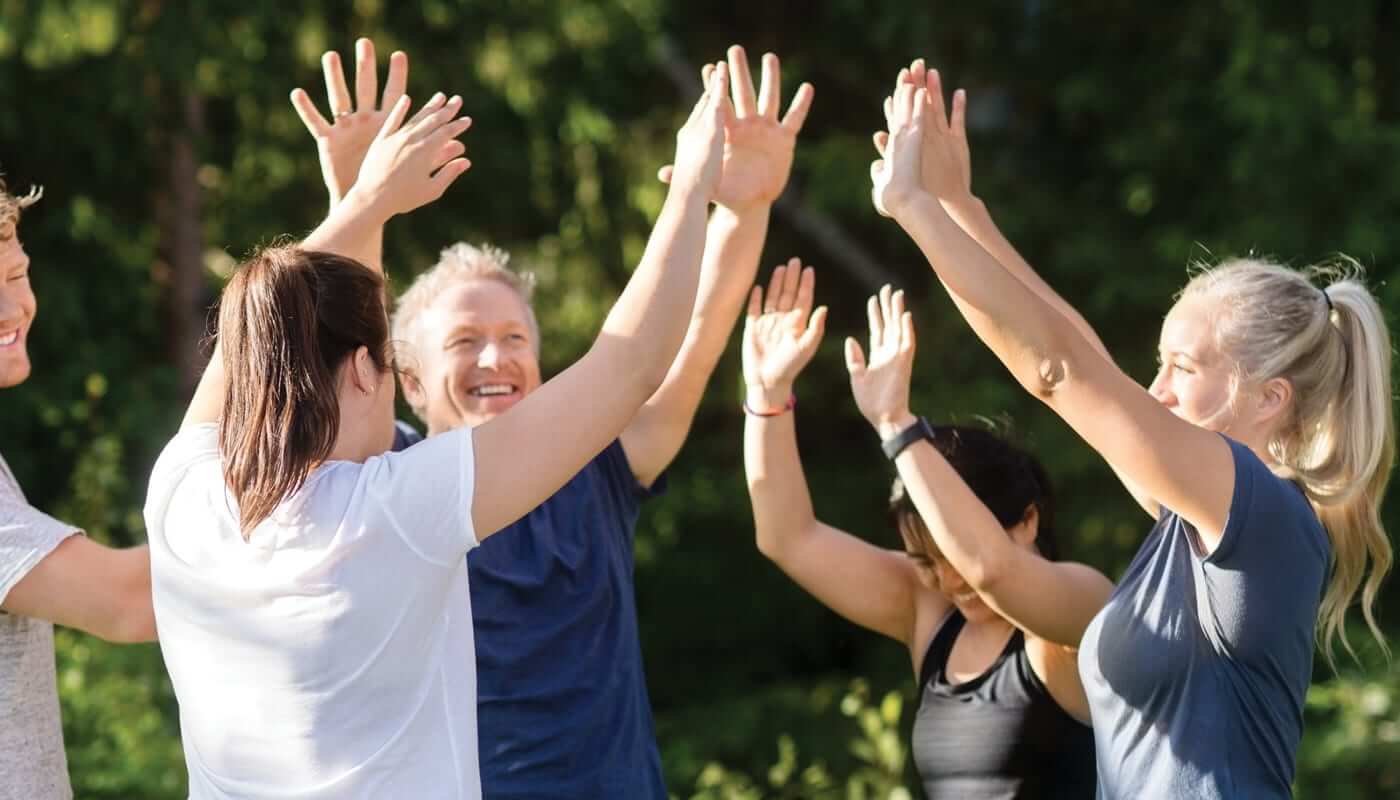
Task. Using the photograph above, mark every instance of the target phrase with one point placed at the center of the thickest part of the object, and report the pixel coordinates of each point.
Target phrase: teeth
(492, 390)
(9, 338)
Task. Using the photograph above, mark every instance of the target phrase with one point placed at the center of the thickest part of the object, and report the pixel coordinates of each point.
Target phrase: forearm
(733, 244)
(354, 228)
(1035, 342)
(782, 503)
(971, 214)
(963, 529)
(648, 322)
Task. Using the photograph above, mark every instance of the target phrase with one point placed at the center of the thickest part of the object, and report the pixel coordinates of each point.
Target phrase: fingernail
(456, 100)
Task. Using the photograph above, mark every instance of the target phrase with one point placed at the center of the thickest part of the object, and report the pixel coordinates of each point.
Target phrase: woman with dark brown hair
(310, 587)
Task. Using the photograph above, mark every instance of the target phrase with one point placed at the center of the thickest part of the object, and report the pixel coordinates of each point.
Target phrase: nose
(490, 356)
(948, 579)
(1161, 389)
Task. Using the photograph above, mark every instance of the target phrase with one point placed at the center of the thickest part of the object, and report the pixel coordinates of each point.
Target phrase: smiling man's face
(474, 355)
(17, 307)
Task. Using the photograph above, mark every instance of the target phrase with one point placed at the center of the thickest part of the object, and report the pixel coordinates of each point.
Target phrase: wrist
(915, 202)
(753, 215)
(890, 425)
(767, 400)
(963, 204)
(364, 204)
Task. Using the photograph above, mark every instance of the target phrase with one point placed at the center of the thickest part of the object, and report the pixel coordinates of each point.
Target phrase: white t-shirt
(32, 763)
(331, 655)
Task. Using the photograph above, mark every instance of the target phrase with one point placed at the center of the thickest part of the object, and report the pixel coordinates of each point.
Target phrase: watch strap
(918, 429)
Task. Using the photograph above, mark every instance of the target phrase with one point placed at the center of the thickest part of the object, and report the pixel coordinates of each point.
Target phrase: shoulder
(1265, 502)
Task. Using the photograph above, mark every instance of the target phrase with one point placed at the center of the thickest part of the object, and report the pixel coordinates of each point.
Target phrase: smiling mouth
(7, 339)
(493, 390)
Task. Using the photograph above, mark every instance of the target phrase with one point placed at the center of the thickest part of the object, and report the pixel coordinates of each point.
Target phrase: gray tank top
(1196, 669)
(999, 736)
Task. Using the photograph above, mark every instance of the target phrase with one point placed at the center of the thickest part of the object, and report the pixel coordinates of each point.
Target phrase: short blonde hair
(1322, 330)
(460, 263)
(11, 206)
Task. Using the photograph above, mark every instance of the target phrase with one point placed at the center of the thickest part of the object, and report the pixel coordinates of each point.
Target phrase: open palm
(881, 382)
(781, 332)
(343, 141)
(758, 147)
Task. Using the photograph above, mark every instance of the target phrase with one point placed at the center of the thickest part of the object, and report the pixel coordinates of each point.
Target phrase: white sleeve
(27, 535)
(425, 493)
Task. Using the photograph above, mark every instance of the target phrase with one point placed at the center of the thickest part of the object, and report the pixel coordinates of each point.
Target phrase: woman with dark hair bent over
(311, 588)
(991, 620)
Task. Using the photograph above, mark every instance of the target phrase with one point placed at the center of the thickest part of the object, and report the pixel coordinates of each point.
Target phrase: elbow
(989, 576)
(769, 544)
(134, 620)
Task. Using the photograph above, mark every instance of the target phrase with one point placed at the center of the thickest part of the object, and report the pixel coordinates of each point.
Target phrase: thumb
(664, 174)
(816, 326)
(855, 358)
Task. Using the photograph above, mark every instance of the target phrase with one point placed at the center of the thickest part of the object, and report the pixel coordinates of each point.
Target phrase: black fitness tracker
(918, 429)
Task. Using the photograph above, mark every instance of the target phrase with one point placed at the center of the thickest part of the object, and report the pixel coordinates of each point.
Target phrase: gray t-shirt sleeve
(27, 535)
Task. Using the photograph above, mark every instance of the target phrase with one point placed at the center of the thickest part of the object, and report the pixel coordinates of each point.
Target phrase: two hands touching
(924, 149)
(371, 148)
(782, 332)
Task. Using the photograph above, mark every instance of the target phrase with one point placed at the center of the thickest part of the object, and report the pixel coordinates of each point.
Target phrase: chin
(13, 372)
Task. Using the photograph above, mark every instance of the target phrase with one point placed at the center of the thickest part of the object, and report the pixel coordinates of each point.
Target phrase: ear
(412, 387)
(1025, 531)
(1275, 397)
(365, 374)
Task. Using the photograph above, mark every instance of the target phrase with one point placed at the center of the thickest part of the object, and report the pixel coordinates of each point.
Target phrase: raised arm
(1011, 578)
(875, 588)
(1186, 468)
(525, 455)
(758, 150)
(947, 174)
(344, 140)
(409, 164)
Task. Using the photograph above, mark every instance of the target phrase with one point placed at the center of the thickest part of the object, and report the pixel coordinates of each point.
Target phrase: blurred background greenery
(1115, 142)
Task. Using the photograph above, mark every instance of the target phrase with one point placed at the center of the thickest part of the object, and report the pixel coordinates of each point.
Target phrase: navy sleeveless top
(999, 735)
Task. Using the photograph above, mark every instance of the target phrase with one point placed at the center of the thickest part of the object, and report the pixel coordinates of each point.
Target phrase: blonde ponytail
(1359, 435)
(1333, 346)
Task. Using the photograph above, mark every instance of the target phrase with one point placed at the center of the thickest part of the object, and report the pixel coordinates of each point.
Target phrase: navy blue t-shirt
(562, 706)
(1197, 667)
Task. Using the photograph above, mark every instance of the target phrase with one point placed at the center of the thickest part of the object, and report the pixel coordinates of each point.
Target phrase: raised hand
(411, 164)
(881, 383)
(897, 177)
(758, 148)
(781, 334)
(700, 141)
(343, 141)
(946, 159)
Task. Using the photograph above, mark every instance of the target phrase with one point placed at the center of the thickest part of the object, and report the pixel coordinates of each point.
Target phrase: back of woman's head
(1330, 342)
(1008, 480)
(288, 320)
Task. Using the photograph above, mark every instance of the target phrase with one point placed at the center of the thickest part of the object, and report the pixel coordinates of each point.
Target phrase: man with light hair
(561, 694)
(47, 573)
(420, 309)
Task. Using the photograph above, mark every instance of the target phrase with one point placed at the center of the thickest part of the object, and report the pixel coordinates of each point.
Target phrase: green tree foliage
(1116, 144)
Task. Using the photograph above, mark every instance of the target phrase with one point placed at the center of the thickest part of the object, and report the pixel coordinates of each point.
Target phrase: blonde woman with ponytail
(1262, 449)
